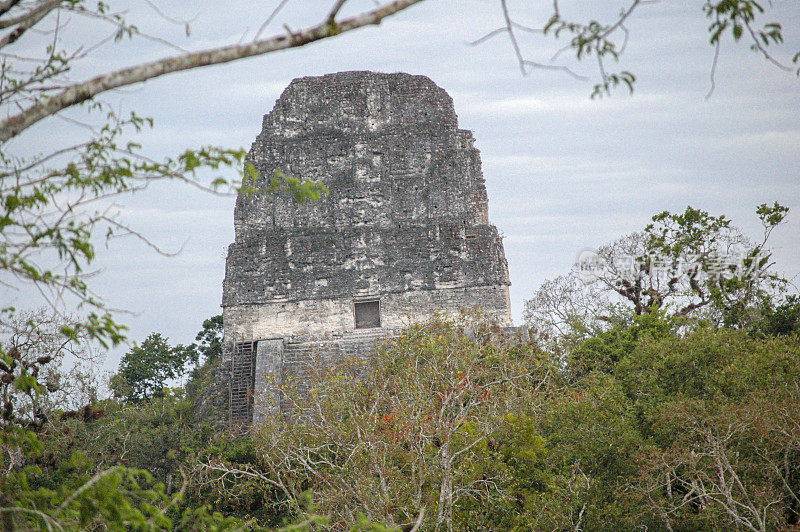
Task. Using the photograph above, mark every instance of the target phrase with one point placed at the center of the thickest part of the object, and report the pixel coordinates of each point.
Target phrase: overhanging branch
(79, 92)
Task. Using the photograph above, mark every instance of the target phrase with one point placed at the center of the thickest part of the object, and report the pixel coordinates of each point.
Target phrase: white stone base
(320, 318)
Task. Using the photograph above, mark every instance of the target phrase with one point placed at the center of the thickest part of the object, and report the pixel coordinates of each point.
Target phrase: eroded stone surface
(406, 189)
(406, 221)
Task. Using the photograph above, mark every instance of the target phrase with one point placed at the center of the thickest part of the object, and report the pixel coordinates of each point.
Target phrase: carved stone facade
(403, 234)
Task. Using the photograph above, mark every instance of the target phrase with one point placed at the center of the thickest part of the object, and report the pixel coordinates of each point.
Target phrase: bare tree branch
(6, 6)
(45, 6)
(713, 73)
(80, 92)
(27, 21)
(335, 10)
(270, 18)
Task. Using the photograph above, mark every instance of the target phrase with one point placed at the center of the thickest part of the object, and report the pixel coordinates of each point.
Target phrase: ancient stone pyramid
(404, 232)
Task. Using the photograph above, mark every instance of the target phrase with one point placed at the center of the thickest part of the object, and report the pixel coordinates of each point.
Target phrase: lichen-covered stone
(405, 223)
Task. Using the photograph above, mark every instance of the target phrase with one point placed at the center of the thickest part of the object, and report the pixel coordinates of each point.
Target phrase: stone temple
(403, 234)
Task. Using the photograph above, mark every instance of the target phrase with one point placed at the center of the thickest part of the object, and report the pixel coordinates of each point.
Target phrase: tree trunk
(445, 516)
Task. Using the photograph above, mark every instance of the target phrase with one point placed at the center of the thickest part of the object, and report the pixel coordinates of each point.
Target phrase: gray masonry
(403, 234)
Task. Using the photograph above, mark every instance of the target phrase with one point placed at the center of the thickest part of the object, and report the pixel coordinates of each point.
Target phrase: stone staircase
(295, 355)
(359, 342)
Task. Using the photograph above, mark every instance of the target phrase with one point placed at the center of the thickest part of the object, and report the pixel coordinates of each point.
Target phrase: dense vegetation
(622, 415)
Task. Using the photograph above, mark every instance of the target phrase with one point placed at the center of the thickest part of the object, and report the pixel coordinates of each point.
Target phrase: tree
(782, 318)
(606, 41)
(42, 371)
(593, 439)
(145, 369)
(70, 493)
(732, 465)
(687, 264)
(210, 339)
(208, 398)
(433, 427)
(720, 408)
(21, 18)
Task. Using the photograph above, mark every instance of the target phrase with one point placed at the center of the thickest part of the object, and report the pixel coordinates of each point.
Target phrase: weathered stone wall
(320, 317)
(405, 223)
(281, 358)
(318, 262)
(407, 209)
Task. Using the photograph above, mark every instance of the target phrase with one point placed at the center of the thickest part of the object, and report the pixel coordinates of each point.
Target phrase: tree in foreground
(720, 409)
(431, 429)
(454, 426)
(450, 425)
(48, 479)
(72, 460)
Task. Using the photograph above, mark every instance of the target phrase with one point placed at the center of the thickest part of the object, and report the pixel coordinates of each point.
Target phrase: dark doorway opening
(368, 314)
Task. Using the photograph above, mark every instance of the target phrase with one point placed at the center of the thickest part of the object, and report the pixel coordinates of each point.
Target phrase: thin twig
(82, 91)
(270, 19)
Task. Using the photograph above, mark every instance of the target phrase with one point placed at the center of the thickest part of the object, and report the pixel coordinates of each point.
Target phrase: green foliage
(474, 430)
(701, 242)
(736, 463)
(668, 422)
(116, 498)
(718, 406)
(594, 39)
(738, 16)
(302, 189)
(61, 470)
(602, 352)
(593, 438)
(422, 424)
(515, 452)
(605, 42)
(210, 339)
(453, 423)
(678, 416)
(686, 267)
(144, 369)
(783, 319)
(709, 364)
(46, 211)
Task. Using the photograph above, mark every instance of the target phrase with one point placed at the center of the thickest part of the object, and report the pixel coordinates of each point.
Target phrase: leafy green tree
(593, 438)
(50, 476)
(109, 465)
(146, 368)
(690, 264)
(422, 427)
(720, 408)
(602, 352)
(209, 346)
(674, 428)
(208, 398)
(729, 465)
(723, 269)
(781, 319)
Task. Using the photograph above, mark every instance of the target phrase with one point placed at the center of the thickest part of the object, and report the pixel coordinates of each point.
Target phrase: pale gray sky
(563, 172)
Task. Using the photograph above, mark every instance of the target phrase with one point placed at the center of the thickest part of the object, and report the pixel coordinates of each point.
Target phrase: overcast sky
(564, 173)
